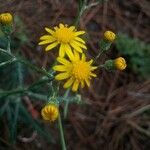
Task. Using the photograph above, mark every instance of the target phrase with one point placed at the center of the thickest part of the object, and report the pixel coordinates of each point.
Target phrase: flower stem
(61, 133)
(98, 56)
(67, 103)
(8, 45)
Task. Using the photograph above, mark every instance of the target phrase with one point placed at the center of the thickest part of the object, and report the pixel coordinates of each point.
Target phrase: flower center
(81, 70)
(64, 35)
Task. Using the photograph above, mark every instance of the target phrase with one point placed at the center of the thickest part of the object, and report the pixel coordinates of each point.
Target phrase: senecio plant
(72, 67)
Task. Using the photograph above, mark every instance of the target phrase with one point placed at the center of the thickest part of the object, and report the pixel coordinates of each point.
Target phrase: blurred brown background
(110, 118)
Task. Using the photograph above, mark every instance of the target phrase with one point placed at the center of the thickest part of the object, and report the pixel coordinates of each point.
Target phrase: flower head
(50, 112)
(6, 18)
(64, 36)
(109, 36)
(120, 63)
(77, 71)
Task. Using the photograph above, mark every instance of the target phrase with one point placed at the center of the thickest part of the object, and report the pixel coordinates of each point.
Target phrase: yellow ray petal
(82, 84)
(93, 75)
(79, 33)
(62, 76)
(61, 25)
(87, 82)
(80, 40)
(63, 61)
(79, 44)
(68, 83)
(72, 28)
(83, 58)
(46, 37)
(76, 56)
(93, 68)
(49, 30)
(49, 47)
(56, 28)
(60, 68)
(90, 62)
(75, 85)
(77, 48)
(62, 50)
(45, 42)
(69, 51)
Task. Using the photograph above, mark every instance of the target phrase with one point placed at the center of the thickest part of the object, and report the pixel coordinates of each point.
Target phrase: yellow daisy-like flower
(50, 112)
(120, 63)
(77, 71)
(6, 18)
(64, 36)
(109, 36)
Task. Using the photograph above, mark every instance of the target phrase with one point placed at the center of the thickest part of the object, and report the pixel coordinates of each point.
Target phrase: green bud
(109, 65)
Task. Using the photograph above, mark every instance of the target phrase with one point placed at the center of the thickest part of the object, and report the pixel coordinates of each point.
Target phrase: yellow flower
(64, 36)
(109, 36)
(120, 63)
(6, 18)
(50, 112)
(77, 71)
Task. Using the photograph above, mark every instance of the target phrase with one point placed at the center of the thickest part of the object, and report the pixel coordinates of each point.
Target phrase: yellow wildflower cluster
(73, 65)
(6, 18)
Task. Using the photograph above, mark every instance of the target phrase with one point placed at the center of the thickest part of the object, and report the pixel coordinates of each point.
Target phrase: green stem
(98, 56)
(67, 103)
(8, 45)
(61, 133)
(8, 62)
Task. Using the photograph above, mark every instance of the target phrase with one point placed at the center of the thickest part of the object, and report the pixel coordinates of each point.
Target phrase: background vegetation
(113, 113)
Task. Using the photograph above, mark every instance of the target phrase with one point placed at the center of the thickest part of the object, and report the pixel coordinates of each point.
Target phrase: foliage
(136, 52)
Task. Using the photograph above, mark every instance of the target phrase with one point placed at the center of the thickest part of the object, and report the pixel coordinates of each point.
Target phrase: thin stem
(8, 62)
(6, 52)
(8, 45)
(66, 103)
(61, 133)
(98, 56)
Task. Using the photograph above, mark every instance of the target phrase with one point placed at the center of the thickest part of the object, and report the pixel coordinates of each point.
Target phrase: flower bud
(50, 112)
(120, 63)
(6, 18)
(109, 36)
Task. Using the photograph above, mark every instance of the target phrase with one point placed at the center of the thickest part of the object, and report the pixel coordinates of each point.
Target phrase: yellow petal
(69, 51)
(93, 68)
(60, 68)
(62, 76)
(79, 33)
(93, 74)
(76, 47)
(76, 55)
(82, 84)
(80, 40)
(68, 83)
(83, 57)
(62, 50)
(87, 82)
(45, 42)
(75, 86)
(79, 44)
(90, 62)
(72, 28)
(46, 37)
(61, 25)
(63, 61)
(49, 30)
(56, 28)
(49, 47)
